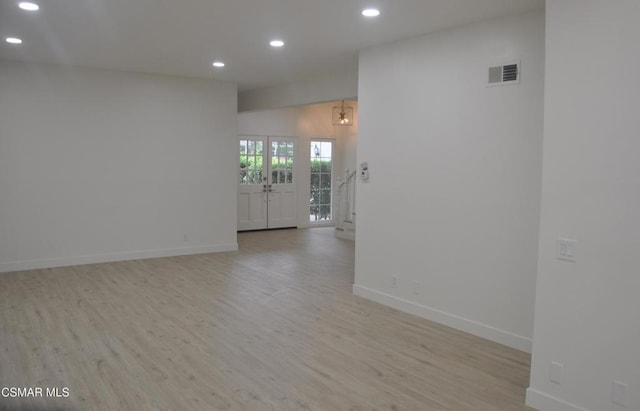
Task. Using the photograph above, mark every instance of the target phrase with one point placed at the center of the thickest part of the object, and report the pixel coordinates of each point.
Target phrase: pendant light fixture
(342, 115)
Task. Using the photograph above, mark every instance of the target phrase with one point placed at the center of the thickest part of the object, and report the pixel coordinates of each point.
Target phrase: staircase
(345, 213)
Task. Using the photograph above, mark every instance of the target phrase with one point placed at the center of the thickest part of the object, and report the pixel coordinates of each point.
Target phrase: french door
(267, 192)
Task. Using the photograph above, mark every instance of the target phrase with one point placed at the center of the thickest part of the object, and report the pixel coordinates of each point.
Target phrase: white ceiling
(183, 37)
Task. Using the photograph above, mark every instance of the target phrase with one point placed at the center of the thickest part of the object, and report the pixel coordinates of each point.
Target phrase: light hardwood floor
(271, 327)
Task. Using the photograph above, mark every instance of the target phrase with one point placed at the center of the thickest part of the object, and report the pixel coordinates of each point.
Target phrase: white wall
(452, 205)
(278, 122)
(102, 165)
(305, 123)
(588, 312)
(321, 88)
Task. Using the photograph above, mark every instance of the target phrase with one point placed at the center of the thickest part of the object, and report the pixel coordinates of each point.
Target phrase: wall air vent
(504, 75)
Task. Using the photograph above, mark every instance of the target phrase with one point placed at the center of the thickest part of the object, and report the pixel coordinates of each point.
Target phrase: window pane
(325, 197)
(325, 212)
(251, 171)
(326, 149)
(325, 166)
(321, 180)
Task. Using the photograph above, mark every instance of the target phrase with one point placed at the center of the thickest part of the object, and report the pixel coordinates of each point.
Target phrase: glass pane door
(267, 187)
(282, 184)
(252, 192)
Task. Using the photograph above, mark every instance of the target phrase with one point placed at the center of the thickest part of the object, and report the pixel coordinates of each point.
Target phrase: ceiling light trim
(29, 6)
(371, 12)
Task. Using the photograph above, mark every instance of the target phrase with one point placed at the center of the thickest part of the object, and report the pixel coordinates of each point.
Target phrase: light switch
(566, 249)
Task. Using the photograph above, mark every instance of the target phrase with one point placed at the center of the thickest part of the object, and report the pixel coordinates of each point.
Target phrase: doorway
(267, 187)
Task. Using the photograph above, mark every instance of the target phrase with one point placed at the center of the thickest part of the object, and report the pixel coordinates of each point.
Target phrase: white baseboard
(111, 257)
(472, 327)
(345, 234)
(544, 402)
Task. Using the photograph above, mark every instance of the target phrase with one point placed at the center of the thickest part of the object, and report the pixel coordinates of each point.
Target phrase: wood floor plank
(273, 326)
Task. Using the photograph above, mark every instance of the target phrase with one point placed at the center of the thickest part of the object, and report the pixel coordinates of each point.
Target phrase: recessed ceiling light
(14, 40)
(277, 43)
(26, 5)
(218, 64)
(371, 12)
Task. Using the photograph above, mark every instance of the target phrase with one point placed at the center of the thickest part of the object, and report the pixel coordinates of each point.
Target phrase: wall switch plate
(555, 372)
(619, 393)
(566, 249)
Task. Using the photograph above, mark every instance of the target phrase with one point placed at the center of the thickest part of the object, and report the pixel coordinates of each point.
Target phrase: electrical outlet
(619, 393)
(566, 249)
(394, 281)
(555, 372)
